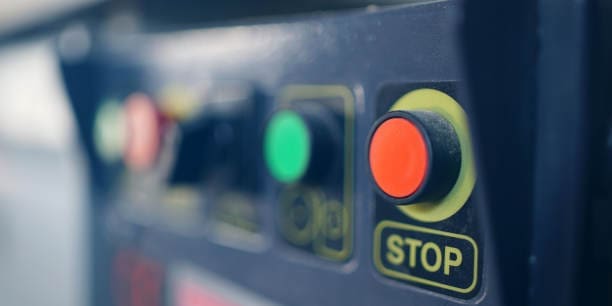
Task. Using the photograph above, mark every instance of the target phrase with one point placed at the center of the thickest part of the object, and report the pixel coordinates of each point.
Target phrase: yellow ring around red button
(436, 101)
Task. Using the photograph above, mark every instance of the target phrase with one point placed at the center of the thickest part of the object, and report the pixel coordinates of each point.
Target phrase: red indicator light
(143, 132)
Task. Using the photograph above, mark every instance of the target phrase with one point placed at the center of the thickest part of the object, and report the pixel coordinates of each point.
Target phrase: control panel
(298, 160)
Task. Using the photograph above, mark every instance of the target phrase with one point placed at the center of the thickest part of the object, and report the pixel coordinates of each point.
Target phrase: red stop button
(398, 157)
(413, 156)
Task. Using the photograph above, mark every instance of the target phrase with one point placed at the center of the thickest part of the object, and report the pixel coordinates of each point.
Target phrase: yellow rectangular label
(426, 257)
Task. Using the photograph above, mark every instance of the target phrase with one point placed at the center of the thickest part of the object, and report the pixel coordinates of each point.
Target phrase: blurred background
(43, 184)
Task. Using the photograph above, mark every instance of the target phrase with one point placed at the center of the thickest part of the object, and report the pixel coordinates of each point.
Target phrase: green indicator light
(109, 131)
(287, 146)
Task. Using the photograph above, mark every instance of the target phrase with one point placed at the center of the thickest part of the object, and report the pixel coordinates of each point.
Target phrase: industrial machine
(345, 152)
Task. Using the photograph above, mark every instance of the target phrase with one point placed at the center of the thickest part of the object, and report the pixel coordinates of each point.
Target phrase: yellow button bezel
(436, 101)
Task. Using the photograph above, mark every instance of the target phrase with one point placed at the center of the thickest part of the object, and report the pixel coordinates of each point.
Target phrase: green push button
(287, 146)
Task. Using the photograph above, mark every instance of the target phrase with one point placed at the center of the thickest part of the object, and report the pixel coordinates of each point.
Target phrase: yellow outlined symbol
(334, 220)
(297, 215)
(442, 104)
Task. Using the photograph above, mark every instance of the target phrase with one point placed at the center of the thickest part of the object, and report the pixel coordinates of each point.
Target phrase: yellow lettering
(413, 244)
(451, 262)
(438, 257)
(395, 255)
